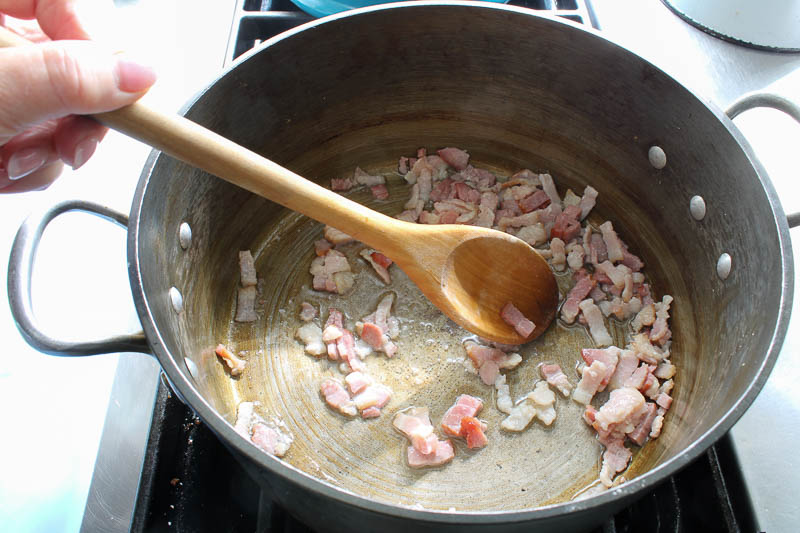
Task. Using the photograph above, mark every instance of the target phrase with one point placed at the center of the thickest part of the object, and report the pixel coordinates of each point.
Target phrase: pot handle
(753, 100)
(20, 267)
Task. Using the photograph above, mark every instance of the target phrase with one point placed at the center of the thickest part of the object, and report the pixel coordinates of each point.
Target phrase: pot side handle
(753, 100)
(20, 267)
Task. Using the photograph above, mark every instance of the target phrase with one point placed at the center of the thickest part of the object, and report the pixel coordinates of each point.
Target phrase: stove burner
(192, 484)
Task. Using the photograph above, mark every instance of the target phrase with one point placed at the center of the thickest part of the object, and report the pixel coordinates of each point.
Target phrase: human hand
(45, 87)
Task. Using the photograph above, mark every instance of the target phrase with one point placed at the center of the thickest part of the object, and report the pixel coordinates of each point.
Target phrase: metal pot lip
(192, 397)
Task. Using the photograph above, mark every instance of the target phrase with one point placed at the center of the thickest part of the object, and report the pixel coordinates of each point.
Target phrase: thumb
(55, 79)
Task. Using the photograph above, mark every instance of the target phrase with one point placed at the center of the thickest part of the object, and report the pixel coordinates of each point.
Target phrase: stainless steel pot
(517, 90)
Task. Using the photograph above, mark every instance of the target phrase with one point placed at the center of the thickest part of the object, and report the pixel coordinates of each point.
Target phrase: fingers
(57, 18)
(72, 140)
(56, 79)
(36, 181)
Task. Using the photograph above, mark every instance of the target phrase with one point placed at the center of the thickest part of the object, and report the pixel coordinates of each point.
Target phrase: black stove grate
(192, 484)
(257, 20)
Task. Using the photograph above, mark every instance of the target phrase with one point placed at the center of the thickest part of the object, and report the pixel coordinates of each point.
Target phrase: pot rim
(184, 387)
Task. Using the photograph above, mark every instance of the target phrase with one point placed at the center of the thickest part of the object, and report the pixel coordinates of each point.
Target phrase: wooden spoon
(468, 272)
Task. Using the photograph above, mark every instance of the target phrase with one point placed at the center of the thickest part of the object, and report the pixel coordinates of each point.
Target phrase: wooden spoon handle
(204, 149)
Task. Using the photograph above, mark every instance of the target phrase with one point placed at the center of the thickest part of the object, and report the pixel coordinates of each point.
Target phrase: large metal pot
(517, 90)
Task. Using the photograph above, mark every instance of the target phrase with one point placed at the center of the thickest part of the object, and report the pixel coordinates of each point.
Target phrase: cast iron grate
(192, 484)
(257, 20)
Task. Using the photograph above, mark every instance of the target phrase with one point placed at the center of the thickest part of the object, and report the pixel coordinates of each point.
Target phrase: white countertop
(54, 408)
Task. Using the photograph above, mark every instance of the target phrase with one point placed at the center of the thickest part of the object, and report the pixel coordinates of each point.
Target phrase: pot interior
(516, 91)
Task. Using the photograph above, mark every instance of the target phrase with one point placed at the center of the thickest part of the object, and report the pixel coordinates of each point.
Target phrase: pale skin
(46, 87)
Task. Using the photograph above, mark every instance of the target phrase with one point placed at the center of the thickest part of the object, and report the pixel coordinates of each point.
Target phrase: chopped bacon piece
(322, 246)
(645, 350)
(357, 381)
(590, 381)
(520, 416)
(665, 370)
(537, 200)
(558, 250)
(336, 396)
(630, 260)
(609, 356)
(550, 189)
(533, 235)
(587, 201)
(311, 336)
(375, 395)
(235, 365)
(416, 425)
(597, 248)
(466, 193)
(331, 273)
(373, 335)
(575, 255)
(489, 361)
(307, 312)
(444, 453)
(626, 366)
(615, 273)
(379, 192)
(638, 378)
(660, 332)
(644, 425)
(335, 318)
(538, 403)
(245, 305)
(465, 406)
(345, 346)
(336, 237)
(567, 226)
(615, 459)
(597, 326)
(270, 439)
(556, 377)
(664, 400)
(380, 269)
(371, 412)
(402, 165)
(341, 184)
(454, 157)
(504, 403)
(472, 430)
(247, 269)
(442, 190)
(388, 325)
(618, 413)
(381, 259)
(514, 318)
(584, 283)
(613, 244)
(645, 317)
(655, 430)
(362, 178)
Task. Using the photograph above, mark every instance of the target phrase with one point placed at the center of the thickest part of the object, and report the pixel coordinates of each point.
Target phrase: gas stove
(178, 475)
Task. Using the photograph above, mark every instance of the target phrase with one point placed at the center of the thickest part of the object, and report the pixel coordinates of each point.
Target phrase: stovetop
(715, 493)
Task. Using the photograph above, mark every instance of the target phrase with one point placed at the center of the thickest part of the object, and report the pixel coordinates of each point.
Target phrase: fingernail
(83, 151)
(27, 160)
(133, 77)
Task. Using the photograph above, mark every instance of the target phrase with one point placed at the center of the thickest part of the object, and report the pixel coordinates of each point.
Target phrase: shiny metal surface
(580, 129)
(118, 467)
(20, 268)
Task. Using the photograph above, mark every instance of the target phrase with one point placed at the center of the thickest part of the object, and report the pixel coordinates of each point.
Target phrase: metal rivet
(724, 266)
(697, 206)
(657, 157)
(185, 236)
(176, 299)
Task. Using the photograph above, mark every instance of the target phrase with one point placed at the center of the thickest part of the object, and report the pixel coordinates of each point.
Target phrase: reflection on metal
(657, 157)
(697, 206)
(185, 236)
(176, 299)
(724, 266)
